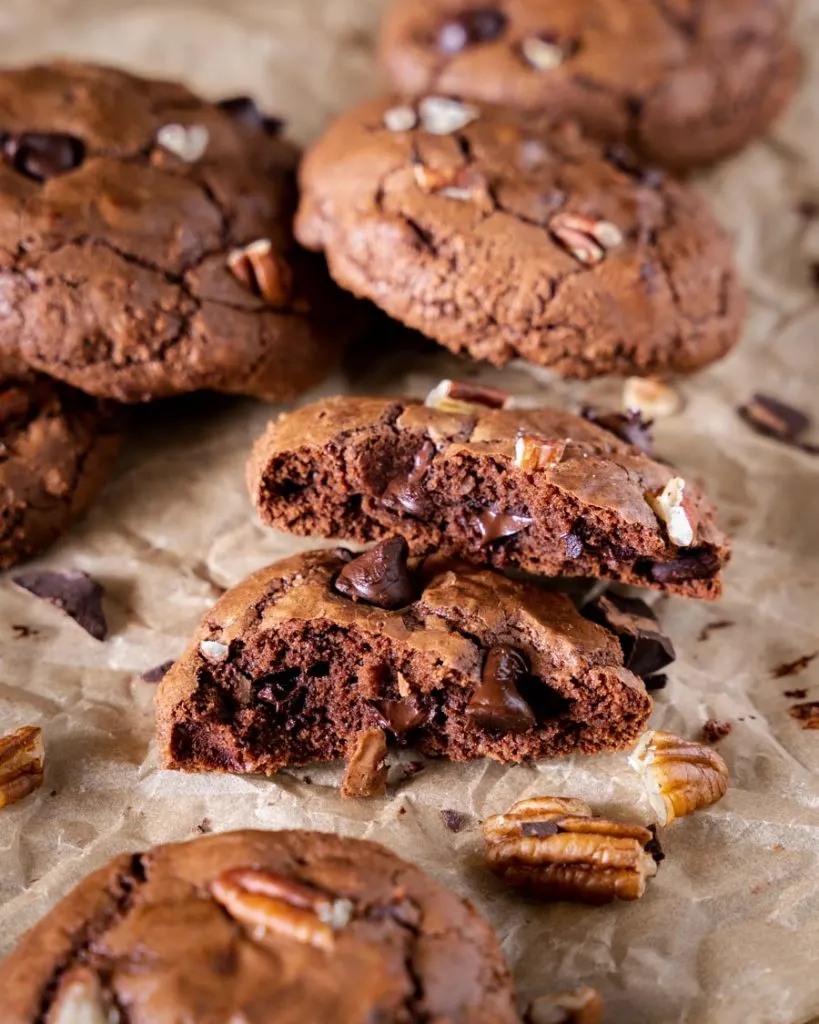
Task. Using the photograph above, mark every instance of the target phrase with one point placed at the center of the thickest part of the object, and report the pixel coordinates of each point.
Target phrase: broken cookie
(540, 490)
(287, 669)
(261, 926)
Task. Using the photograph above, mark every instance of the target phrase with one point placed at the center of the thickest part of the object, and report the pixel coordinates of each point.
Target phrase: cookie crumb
(713, 731)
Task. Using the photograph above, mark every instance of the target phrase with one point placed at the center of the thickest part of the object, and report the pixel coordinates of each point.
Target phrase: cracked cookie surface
(123, 204)
(269, 927)
(57, 446)
(327, 656)
(501, 241)
(579, 503)
(683, 82)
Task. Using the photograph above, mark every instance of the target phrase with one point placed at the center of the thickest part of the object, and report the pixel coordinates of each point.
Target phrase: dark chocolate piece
(496, 704)
(43, 155)
(646, 649)
(455, 821)
(792, 668)
(698, 565)
(380, 576)
(540, 828)
(75, 593)
(774, 418)
(628, 426)
(157, 673)
(400, 716)
(406, 491)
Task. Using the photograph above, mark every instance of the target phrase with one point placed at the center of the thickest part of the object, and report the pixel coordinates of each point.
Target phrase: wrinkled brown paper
(729, 930)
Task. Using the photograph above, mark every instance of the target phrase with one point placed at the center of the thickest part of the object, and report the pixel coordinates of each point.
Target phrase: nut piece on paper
(461, 397)
(680, 776)
(22, 756)
(554, 849)
(581, 1006)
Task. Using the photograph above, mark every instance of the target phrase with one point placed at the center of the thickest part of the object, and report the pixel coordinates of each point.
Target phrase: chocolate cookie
(324, 656)
(147, 241)
(539, 490)
(56, 448)
(268, 927)
(501, 241)
(683, 82)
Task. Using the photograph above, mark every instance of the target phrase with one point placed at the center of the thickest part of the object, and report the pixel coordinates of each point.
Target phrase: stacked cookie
(148, 252)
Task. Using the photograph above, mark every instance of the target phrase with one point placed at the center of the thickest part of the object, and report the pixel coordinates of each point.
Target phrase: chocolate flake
(74, 592)
(646, 649)
(713, 731)
(541, 829)
(43, 155)
(698, 565)
(496, 704)
(401, 716)
(798, 694)
(455, 821)
(807, 713)
(792, 668)
(712, 627)
(380, 576)
(774, 418)
(628, 426)
(158, 673)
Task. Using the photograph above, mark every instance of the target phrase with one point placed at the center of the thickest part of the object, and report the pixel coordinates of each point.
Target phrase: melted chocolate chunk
(379, 576)
(646, 649)
(75, 593)
(400, 716)
(494, 525)
(40, 155)
(539, 828)
(406, 491)
(773, 418)
(628, 426)
(496, 704)
(246, 110)
(698, 565)
(480, 25)
(807, 714)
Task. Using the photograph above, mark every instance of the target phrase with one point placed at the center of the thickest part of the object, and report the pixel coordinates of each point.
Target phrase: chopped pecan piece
(680, 776)
(533, 452)
(263, 271)
(462, 397)
(22, 756)
(552, 848)
(586, 238)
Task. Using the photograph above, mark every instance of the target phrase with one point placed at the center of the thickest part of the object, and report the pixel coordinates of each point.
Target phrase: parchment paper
(729, 931)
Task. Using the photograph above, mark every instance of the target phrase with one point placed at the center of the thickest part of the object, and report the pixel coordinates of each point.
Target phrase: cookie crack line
(129, 882)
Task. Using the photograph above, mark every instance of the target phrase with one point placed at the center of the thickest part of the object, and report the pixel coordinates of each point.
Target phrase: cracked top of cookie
(145, 240)
(240, 925)
(685, 82)
(505, 240)
(56, 447)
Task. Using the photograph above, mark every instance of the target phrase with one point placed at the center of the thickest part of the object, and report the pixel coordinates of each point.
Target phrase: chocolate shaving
(380, 576)
(75, 593)
(496, 704)
(158, 673)
(646, 649)
(628, 426)
(792, 668)
(455, 821)
(713, 731)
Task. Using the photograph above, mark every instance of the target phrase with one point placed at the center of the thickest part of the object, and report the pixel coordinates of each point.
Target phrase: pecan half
(463, 397)
(680, 776)
(552, 848)
(268, 902)
(22, 756)
(581, 1006)
(263, 271)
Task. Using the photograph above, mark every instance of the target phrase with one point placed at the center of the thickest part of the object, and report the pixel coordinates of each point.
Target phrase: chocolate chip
(792, 668)
(496, 704)
(245, 110)
(75, 593)
(713, 730)
(653, 846)
(41, 155)
(158, 673)
(628, 426)
(405, 491)
(775, 419)
(493, 525)
(379, 576)
(698, 565)
(400, 716)
(455, 821)
(625, 160)
(480, 25)
(541, 829)
(646, 649)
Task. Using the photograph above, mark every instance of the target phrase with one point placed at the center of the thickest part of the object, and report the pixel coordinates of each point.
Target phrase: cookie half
(327, 656)
(56, 449)
(501, 241)
(262, 926)
(147, 241)
(683, 83)
(539, 490)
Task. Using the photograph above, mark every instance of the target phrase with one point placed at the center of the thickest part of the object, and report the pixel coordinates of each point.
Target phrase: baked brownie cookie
(261, 927)
(503, 241)
(56, 448)
(145, 241)
(684, 82)
(539, 490)
(324, 656)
